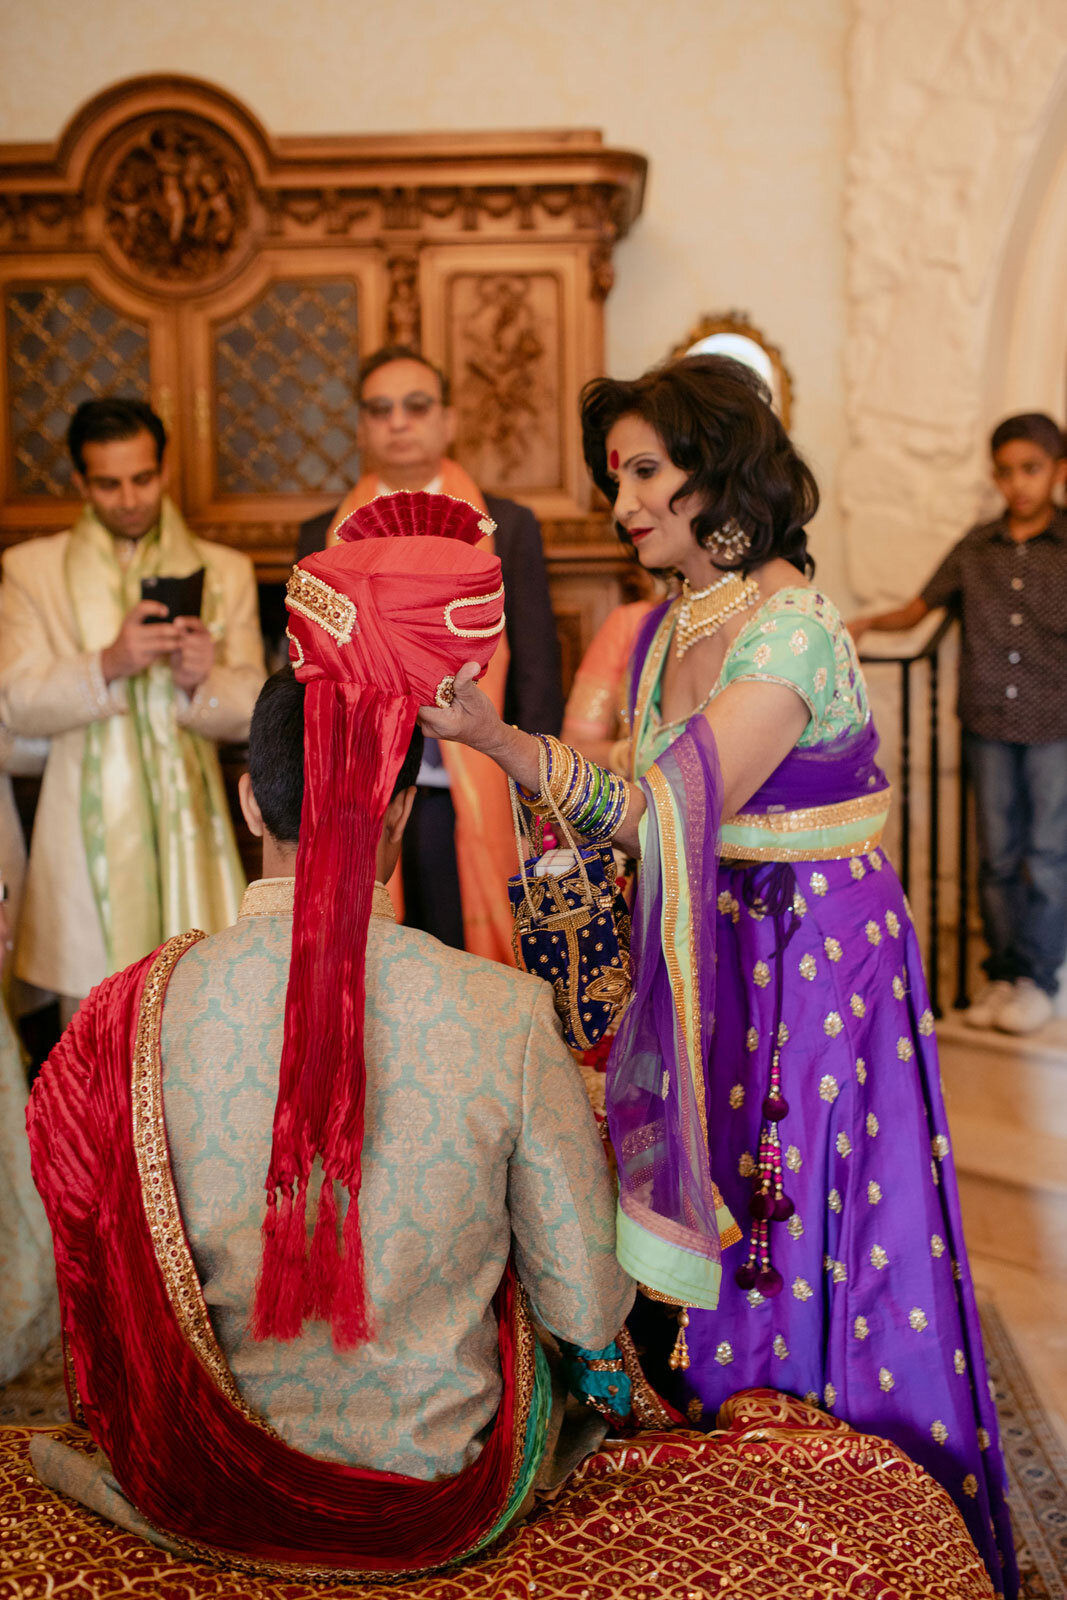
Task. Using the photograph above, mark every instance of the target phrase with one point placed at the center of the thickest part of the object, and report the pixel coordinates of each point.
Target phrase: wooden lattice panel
(64, 345)
(284, 375)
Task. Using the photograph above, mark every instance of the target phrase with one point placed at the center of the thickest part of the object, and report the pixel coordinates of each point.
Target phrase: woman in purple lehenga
(779, 1035)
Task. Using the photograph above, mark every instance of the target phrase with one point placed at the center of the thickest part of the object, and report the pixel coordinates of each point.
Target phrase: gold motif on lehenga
(940, 1146)
(761, 974)
(873, 932)
(783, 1034)
(937, 1246)
(818, 883)
(959, 1361)
(872, 1125)
(737, 1097)
(856, 867)
(905, 1049)
(917, 1319)
(793, 1159)
(885, 1379)
(843, 1144)
(828, 1088)
(832, 1025)
(802, 1289)
(695, 1409)
(808, 967)
(833, 1200)
(983, 1439)
(874, 1193)
(892, 922)
(832, 948)
(857, 1004)
(926, 1024)
(879, 1259)
(829, 1395)
(839, 1272)
(800, 905)
(938, 1432)
(861, 1070)
(724, 1353)
(754, 1298)
(860, 1330)
(752, 1039)
(746, 1166)
(970, 1485)
(780, 1348)
(794, 1227)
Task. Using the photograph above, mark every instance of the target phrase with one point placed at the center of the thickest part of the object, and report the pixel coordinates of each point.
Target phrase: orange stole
(485, 834)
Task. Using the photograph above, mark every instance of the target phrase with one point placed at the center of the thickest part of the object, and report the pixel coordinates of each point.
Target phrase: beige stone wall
(739, 104)
(955, 166)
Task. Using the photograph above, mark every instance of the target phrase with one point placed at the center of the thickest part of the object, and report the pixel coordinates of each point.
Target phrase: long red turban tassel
(355, 739)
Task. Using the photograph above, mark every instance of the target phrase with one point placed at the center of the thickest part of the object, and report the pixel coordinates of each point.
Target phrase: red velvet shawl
(153, 1385)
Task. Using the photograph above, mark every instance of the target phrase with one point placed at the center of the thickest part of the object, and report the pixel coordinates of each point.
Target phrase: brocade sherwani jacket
(479, 1139)
(50, 687)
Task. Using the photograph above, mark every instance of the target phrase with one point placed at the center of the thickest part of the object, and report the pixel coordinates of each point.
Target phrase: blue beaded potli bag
(573, 929)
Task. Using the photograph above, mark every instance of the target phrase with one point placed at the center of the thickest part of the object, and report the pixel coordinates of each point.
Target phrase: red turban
(379, 625)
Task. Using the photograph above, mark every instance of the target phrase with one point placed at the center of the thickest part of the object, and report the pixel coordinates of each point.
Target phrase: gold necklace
(702, 612)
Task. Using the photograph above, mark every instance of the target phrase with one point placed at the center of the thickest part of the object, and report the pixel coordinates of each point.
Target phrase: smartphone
(182, 597)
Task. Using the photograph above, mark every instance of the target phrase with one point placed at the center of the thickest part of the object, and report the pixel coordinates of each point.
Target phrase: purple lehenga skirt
(876, 1319)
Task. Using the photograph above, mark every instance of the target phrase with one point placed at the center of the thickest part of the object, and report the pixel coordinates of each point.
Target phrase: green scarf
(155, 821)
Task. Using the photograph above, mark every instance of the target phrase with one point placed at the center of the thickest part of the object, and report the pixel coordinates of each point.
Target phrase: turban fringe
(356, 735)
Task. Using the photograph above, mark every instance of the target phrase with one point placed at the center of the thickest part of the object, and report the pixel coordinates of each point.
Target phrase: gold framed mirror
(733, 333)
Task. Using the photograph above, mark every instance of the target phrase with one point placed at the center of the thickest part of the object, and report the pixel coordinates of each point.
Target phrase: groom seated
(359, 1392)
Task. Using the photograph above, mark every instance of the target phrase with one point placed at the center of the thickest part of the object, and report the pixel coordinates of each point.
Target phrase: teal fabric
(479, 1139)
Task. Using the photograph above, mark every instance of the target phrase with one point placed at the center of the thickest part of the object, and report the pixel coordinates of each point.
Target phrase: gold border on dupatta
(803, 820)
(648, 680)
(158, 1194)
(669, 854)
(178, 1271)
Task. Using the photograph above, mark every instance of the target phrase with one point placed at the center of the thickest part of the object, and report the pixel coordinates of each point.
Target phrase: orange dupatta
(485, 835)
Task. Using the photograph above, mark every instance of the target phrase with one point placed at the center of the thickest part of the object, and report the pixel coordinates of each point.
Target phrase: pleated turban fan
(379, 624)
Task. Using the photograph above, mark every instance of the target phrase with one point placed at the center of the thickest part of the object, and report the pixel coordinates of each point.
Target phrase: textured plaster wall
(955, 175)
(740, 105)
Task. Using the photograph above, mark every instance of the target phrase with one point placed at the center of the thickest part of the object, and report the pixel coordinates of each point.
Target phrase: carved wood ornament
(167, 245)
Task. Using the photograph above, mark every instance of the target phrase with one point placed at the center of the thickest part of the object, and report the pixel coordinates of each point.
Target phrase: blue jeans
(1021, 802)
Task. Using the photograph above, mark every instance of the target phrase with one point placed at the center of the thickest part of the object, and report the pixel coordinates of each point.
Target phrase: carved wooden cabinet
(168, 246)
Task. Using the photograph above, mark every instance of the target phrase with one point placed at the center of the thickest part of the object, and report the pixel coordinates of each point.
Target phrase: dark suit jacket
(533, 695)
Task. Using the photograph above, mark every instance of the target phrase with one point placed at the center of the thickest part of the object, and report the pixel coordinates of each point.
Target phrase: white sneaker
(984, 1009)
(1028, 1009)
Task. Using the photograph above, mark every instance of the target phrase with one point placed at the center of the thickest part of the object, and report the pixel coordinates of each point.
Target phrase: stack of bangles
(590, 798)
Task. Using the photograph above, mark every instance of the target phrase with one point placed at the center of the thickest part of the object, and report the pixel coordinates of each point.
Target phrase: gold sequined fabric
(784, 1504)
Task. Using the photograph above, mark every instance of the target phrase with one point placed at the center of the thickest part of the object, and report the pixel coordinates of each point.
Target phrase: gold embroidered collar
(273, 897)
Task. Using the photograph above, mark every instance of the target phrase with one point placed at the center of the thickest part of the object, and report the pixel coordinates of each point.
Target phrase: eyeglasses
(413, 405)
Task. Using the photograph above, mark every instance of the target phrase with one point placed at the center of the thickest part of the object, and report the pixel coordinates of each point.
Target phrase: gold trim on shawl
(803, 821)
(175, 1262)
(647, 682)
(158, 1194)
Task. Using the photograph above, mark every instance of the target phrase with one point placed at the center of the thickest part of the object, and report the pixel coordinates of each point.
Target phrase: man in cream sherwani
(133, 839)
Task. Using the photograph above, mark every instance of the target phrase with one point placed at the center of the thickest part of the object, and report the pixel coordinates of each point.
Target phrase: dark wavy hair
(714, 417)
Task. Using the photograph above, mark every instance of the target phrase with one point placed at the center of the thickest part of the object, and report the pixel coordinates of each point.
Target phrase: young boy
(1007, 580)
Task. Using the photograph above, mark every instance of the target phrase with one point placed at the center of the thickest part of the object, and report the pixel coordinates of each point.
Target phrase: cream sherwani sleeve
(48, 685)
(561, 1197)
(221, 708)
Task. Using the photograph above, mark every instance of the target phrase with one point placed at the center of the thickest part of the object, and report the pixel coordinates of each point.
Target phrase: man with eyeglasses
(459, 848)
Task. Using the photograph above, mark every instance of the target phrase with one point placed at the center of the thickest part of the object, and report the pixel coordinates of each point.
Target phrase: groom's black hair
(276, 755)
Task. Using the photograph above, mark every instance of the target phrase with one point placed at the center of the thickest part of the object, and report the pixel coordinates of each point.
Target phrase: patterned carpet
(1037, 1462)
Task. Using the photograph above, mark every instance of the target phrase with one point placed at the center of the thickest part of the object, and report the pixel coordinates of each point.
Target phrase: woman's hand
(471, 718)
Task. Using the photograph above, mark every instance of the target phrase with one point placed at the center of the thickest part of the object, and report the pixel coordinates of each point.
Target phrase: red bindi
(613, 461)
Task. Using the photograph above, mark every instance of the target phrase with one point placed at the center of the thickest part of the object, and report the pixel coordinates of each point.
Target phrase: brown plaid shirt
(1012, 602)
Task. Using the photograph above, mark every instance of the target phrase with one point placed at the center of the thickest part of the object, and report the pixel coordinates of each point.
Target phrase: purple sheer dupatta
(671, 1215)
